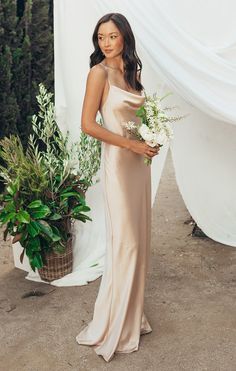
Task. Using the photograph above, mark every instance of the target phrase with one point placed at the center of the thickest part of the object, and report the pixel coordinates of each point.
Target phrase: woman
(114, 88)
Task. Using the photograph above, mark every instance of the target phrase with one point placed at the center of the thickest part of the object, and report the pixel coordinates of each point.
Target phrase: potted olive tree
(45, 190)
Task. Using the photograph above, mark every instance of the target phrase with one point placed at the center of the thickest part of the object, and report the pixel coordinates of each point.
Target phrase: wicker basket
(57, 264)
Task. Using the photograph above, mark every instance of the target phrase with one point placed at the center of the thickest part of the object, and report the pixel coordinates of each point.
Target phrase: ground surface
(189, 301)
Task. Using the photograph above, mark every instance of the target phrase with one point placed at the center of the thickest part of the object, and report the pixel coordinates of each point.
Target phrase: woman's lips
(108, 51)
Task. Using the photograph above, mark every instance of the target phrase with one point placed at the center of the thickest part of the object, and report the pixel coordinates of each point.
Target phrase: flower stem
(147, 161)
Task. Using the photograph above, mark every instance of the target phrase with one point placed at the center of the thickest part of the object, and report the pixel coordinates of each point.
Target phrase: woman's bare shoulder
(96, 80)
(98, 72)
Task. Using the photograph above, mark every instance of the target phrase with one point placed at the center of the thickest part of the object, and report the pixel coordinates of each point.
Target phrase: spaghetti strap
(103, 65)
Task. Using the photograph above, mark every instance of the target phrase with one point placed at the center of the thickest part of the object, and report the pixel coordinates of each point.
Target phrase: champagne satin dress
(118, 318)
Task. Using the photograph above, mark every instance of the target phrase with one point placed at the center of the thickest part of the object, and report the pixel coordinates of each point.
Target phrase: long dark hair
(132, 63)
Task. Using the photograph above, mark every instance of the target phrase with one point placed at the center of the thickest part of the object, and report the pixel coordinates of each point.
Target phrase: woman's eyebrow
(99, 33)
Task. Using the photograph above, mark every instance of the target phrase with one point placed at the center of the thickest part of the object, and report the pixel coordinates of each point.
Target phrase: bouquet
(156, 126)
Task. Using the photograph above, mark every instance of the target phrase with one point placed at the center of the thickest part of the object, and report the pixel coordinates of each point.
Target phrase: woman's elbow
(85, 128)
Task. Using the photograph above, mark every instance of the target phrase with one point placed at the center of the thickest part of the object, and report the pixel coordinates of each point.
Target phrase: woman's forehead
(107, 28)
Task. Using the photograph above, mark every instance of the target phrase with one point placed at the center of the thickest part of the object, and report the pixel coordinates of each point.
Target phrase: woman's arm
(94, 90)
(92, 100)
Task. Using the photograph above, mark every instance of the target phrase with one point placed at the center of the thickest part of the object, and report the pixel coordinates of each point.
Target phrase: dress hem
(108, 358)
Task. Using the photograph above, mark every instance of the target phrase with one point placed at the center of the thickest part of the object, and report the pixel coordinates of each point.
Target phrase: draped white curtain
(186, 47)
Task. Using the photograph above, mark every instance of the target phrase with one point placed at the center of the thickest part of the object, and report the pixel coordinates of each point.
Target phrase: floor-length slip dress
(119, 319)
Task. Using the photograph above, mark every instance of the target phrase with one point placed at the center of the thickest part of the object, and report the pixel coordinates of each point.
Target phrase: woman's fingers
(152, 151)
(144, 148)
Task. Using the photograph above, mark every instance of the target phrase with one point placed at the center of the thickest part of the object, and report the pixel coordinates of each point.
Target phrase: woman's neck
(114, 65)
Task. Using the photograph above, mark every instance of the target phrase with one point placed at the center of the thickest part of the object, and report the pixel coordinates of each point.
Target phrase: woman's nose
(107, 41)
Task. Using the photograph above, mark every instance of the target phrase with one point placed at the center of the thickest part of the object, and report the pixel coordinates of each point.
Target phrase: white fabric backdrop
(197, 61)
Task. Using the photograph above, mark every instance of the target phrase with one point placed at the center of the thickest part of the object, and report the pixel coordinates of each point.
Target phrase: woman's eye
(112, 37)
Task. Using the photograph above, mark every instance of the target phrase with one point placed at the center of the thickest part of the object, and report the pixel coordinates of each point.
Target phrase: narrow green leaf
(93, 265)
(11, 189)
(7, 198)
(55, 217)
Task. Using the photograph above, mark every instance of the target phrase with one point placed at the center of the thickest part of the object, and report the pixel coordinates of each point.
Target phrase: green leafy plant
(44, 191)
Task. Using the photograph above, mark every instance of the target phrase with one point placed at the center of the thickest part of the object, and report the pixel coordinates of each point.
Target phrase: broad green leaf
(32, 264)
(32, 230)
(29, 252)
(41, 212)
(80, 208)
(23, 216)
(35, 225)
(4, 218)
(34, 244)
(35, 204)
(47, 230)
(56, 238)
(85, 216)
(37, 261)
(56, 233)
(82, 200)
(82, 217)
(10, 206)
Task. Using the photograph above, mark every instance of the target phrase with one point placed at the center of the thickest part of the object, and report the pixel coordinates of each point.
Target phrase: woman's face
(110, 40)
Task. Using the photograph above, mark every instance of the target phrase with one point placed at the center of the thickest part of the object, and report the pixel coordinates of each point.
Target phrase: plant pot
(57, 264)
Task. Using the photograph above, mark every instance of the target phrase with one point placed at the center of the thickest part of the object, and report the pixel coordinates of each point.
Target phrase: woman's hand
(143, 148)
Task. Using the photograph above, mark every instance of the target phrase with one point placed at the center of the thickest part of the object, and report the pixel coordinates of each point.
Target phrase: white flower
(145, 132)
(152, 143)
(161, 137)
(130, 125)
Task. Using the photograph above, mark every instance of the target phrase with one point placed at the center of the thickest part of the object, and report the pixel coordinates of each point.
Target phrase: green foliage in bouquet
(44, 192)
